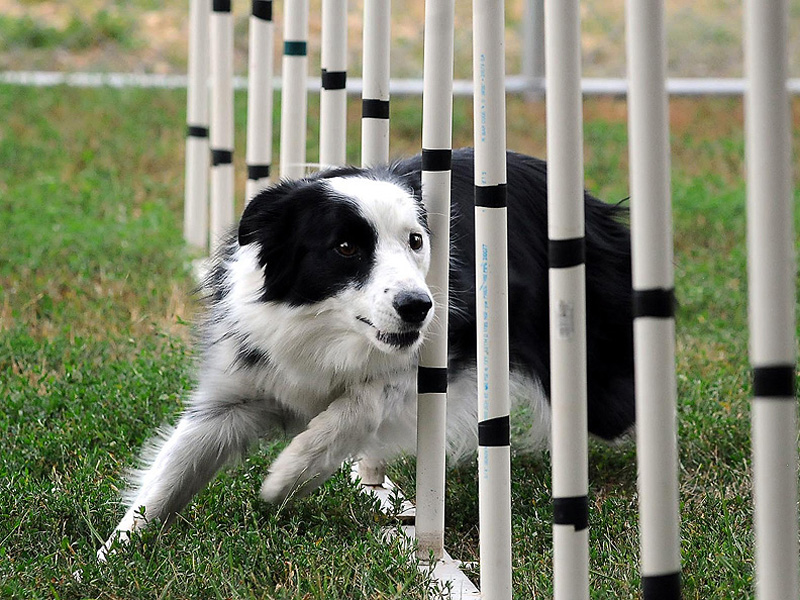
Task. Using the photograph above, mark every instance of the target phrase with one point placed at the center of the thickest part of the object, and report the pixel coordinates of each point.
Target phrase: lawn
(95, 353)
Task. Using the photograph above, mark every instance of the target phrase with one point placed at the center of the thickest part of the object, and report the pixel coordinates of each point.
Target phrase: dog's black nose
(412, 307)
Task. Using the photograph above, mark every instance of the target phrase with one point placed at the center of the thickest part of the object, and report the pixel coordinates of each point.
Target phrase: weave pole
(195, 205)
(375, 95)
(333, 93)
(375, 131)
(653, 302)
(437, 153)
(259, 98)
(222, 175)
(567, 277)
(771, 290)
(294, 101)
(491, 264)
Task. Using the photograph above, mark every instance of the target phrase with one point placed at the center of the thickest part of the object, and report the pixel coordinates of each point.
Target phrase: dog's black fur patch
(296, 229)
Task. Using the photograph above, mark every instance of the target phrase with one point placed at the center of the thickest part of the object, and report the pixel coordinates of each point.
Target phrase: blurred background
(146, 36)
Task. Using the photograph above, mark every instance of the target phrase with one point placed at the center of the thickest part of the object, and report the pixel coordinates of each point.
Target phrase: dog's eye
(347, 249)
(415, 241)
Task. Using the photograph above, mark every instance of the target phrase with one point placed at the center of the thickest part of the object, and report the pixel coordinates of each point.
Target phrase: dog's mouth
(399, 339)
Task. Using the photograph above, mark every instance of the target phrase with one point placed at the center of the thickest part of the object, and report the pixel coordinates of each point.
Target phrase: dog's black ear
(264, 215)
(269, 220)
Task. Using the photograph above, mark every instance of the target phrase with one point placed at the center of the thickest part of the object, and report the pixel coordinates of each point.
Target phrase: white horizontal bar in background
(676, 86)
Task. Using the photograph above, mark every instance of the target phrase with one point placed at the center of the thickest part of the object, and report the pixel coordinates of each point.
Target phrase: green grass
(103, 27)
(95, 297)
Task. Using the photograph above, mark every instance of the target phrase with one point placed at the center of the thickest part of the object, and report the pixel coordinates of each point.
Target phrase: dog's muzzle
(413, 308)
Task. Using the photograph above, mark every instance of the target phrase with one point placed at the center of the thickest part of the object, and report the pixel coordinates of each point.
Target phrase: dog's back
(608, 286)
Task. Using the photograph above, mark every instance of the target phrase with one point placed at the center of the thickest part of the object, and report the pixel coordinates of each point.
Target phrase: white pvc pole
(294, 102)
(375, 129)
(437, 135)
(259, 98)
(653, 293)
(533, 46)
(195, 221)
(491, 263)
(565, 202)
(375, 95)
(333, 93)
(772, 301)
(222, 175)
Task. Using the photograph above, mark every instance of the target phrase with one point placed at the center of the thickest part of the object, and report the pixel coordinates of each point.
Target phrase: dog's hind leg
(183, 460)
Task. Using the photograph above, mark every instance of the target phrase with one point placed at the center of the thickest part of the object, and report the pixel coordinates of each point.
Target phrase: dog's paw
(104, 552)
(117, 540)
(291, 478)
(278, 488)
(273, 491)
(285, 474)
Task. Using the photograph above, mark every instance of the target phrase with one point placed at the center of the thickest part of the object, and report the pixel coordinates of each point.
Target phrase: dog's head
(350, 247)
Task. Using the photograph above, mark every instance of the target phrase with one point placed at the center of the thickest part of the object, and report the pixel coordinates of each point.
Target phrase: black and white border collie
(317, 307)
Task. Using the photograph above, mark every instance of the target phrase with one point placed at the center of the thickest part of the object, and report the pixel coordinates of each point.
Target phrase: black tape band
(656, 302)
(562, 254)
(431, 380)
(258, 171)
(491, 196)
(437, 160)
(494, 432)
(776, 381)
(296, 48)
(334, 80)
(661, 587)
(571, 510)
(262, 9)
(222, 6)
(375, 109)
(197, 131)
(221, 157)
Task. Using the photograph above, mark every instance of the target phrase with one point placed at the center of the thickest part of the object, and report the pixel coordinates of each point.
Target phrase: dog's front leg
(180, 464)
(336, 434)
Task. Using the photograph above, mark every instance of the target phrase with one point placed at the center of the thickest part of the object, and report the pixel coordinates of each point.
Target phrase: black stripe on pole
(334, 80)
(374, 109)
(491, 196)
(223, 6)
(295, 48)
(776, 381)
(571, 510)
(495, 432)
(262, 9)
(570, 252)
(661, 587)
(437, 160)
(258, 171)
(221, 157)
(197, 131)
(431, 380)
(655, 302)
